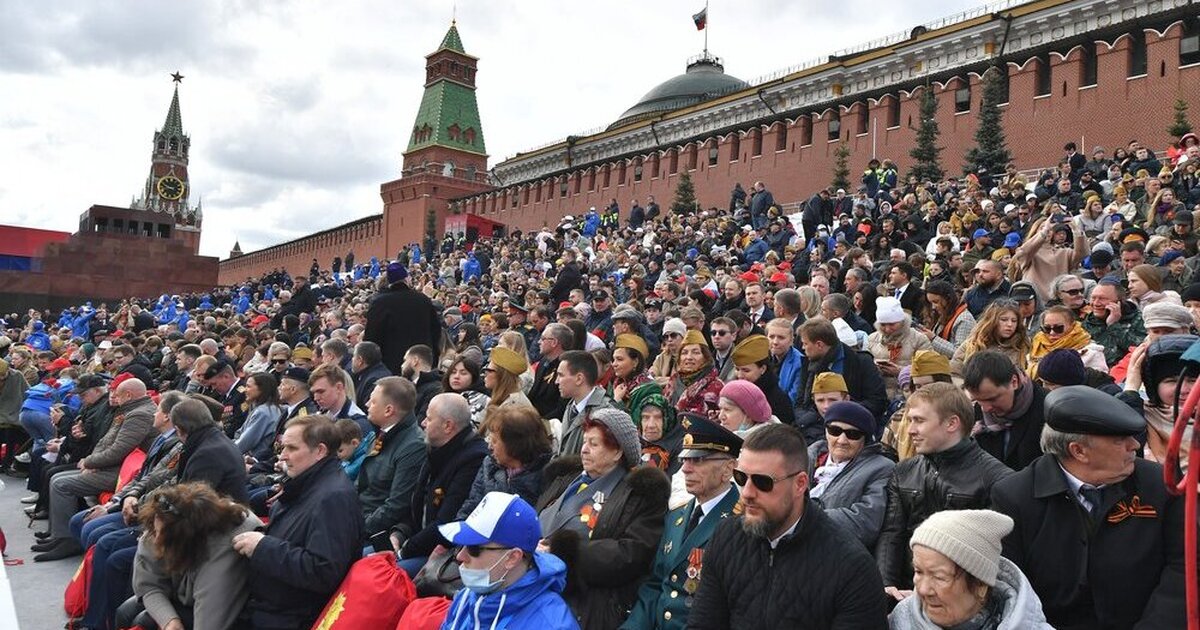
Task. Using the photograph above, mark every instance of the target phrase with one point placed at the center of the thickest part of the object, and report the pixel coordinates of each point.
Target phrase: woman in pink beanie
(742, 407)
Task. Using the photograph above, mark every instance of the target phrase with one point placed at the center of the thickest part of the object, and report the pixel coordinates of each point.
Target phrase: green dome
(705, 78)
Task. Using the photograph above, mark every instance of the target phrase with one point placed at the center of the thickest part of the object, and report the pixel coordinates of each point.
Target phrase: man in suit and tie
(709, 455)
(912, 298)
(756, 307)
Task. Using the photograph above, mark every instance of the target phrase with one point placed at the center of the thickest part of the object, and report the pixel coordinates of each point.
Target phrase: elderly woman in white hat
(894, 341)
(960, 580)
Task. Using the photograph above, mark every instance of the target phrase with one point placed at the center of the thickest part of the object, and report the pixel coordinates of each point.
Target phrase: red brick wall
(1113, 112)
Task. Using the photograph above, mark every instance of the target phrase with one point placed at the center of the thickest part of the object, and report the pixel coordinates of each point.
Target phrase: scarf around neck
(1022, 401)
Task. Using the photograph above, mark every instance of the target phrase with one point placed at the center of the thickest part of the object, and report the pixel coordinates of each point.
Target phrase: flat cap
(1089, 411)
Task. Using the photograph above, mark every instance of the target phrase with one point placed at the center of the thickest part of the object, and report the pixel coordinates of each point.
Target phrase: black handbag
(439, 577)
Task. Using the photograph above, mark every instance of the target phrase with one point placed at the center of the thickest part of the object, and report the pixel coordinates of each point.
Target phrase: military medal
(695, 563)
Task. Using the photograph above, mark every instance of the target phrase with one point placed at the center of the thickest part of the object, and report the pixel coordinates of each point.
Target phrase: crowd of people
(912, 405)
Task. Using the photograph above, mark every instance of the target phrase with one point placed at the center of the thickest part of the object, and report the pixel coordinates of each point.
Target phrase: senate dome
(705, 78)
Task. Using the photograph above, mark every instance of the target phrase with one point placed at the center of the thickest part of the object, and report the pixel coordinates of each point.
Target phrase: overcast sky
(298, 110)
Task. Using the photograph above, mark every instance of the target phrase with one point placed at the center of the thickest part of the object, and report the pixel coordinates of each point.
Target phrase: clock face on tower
(170, 187)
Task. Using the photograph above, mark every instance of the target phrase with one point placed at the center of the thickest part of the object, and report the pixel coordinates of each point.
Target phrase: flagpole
(705, 29)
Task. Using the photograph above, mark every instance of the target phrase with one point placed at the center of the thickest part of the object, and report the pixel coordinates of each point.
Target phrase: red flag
(701, 19)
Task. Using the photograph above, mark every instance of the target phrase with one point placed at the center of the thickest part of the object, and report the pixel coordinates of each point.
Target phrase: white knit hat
(970, 538)
(674, 325)
(888, 310)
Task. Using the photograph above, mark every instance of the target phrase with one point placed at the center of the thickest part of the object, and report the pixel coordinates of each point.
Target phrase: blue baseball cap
(500, 518)
(980, 233)
(1012, 240)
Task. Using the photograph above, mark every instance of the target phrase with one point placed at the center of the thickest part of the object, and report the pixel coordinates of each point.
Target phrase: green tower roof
(452, 41)
(173, 126)
(449, 115)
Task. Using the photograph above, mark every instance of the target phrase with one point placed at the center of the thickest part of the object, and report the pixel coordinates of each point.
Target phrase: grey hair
(839, 303)
(1058, 443)
(1057, 283)
(455, 408)
(560, 333)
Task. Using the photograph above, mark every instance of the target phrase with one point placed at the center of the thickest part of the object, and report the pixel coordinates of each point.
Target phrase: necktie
(1092, 495)
(898, 292)
(697, 514)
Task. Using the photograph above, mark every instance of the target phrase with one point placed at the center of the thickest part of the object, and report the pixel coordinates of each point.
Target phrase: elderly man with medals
(709, 455)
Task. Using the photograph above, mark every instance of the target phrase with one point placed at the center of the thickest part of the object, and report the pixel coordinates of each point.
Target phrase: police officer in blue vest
(709, 455)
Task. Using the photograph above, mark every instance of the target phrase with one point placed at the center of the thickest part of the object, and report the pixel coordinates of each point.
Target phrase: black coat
(1025, 434)
(315, 534)
(862, 379)
(570, 276)
(959, 478)
(400, 318)
(818, 577)
(210, 456)
(364, 383)
(544, 392)
(605, 571)
(1092, 572)
(443, 484)
(429, 384)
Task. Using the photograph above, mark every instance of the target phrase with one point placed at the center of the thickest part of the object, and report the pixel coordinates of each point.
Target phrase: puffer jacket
(958, 478)
(856, 498)
(492, 477)
(1014, 606)
(817, 577)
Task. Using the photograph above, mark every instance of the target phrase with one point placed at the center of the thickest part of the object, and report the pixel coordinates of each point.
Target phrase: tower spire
(173, 126)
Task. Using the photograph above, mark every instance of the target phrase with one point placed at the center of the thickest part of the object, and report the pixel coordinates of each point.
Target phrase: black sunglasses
(1072, 291)
(764, 483)
(279, 360)
(718, 333)
(1051, 329)
(476, 550)
(853, 434)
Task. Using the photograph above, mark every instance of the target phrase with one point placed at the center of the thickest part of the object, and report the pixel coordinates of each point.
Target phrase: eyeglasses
(1071, 291)
(764, 483)
(476, 550)
(672, 335)
(719, 333)
(1054, 329)
(852, 434)
(279, 360)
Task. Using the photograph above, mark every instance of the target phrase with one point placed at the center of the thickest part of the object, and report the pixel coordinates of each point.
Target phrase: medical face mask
(480, 581)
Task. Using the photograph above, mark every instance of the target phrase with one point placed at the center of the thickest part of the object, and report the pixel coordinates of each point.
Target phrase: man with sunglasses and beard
(949, 472)
(783, 563)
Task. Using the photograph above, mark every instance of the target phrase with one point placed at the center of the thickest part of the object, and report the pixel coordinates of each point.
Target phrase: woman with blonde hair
(810, 301)
(515, 341)
(999, 328)
(1061, 330)
(502, 377)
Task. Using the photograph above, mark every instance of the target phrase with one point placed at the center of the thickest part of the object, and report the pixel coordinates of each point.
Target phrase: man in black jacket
(824, 352)
(418, 368)
(782, 563)
(444, 483)
(1114, 556)
(570, 276)
(400, 317)
(315, 533)
(949, 472)
(555, 340)
(368, 368)
(208, 455)
(1008, 404)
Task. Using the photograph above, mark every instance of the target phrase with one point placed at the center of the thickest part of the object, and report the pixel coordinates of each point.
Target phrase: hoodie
(534, 601)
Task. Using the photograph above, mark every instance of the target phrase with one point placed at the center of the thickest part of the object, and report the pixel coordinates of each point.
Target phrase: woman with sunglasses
(465, 377)
(666, 362)
(695, 386)
(603, 514)
(850, 471)
(186, 573)
(1061, 330)
(1000, 328)
(502, 377)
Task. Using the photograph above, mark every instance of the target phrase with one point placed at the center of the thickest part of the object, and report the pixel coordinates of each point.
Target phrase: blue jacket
(38, 339)
(591, 223)
(472, 268)
(535, 601)
(352, 465)
(81, 325)
(756, 251)
(790, 374)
